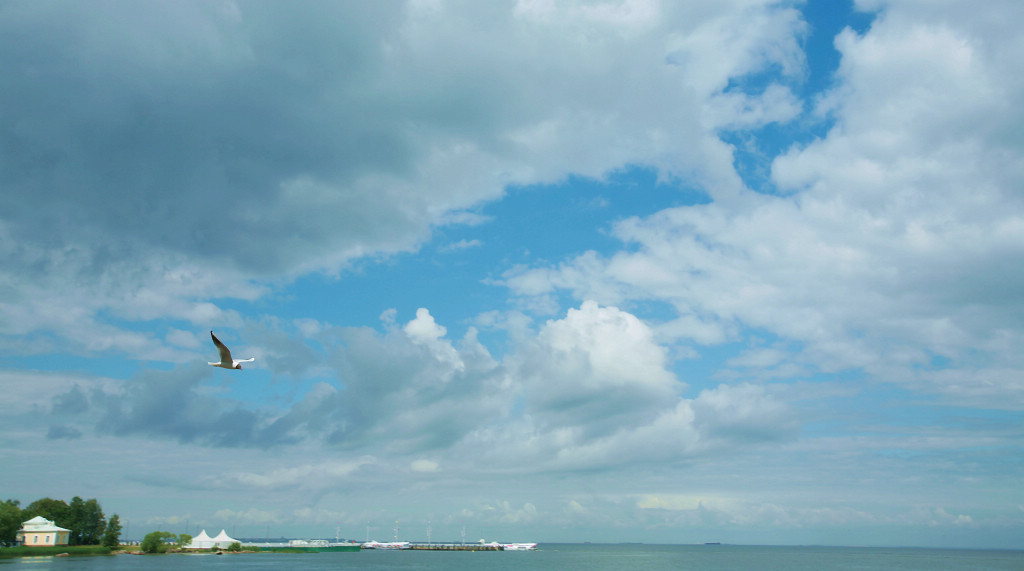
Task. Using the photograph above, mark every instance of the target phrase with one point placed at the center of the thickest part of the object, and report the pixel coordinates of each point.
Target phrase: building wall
(33, 538)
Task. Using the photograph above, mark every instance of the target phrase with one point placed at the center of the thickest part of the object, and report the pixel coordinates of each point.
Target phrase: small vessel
(518, 546)
(387, 545)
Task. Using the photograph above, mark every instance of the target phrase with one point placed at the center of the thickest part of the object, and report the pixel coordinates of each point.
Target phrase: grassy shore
(28, 550)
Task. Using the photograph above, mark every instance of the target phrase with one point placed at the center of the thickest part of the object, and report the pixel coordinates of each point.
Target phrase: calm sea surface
(557, 557)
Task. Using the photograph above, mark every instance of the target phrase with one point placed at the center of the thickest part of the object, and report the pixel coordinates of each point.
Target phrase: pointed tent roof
(201, 541)
(223, 540)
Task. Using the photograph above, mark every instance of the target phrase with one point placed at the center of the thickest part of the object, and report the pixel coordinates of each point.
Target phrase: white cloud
(337, 133)
(425, 466)
(424, 329)
(890, 247)
(184, 339)
(597, 393)
(250, 516)
(595, 365)
(616, 349)
(411, 389)
(732, 110)
(315, 476)
(461, 245)
(28, 390)
(742, 412)
(517, 516)
(312, 139)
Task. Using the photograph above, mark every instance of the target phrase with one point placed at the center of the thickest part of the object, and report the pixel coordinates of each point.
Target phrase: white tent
(201, 541)
(223, 541)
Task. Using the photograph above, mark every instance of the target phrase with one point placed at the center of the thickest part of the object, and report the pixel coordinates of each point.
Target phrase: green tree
(10, 521)
(235, 547)
(54, 510)
(86, 521)
(112, 534)
(183, 540)
(155, 541)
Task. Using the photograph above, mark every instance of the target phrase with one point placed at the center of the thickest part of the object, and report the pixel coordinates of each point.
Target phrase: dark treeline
(84, 518)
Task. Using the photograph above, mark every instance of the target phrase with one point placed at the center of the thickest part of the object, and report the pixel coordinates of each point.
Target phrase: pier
(457, 546)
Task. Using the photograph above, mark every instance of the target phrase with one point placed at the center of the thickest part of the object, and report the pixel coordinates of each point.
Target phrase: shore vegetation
(35, 551)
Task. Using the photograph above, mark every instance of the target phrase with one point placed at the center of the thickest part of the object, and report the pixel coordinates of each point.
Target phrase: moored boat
(518, 546)
(387, 545)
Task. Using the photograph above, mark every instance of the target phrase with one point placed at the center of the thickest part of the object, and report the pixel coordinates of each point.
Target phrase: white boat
(387, 545)
(518, 546)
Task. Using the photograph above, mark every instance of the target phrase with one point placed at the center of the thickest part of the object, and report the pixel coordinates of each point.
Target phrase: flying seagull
(225, 356)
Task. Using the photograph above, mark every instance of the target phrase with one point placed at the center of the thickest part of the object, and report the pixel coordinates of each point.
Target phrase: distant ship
(387, 545)
(518, 546)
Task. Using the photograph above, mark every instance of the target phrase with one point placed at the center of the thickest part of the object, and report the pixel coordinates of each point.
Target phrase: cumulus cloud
(743, 413)
(591, 389)
(170, 163)
(240, 145)
(411, 388)
(594, 364)
(886, 249)
(596, 392)
(172, 404)
(426, 332)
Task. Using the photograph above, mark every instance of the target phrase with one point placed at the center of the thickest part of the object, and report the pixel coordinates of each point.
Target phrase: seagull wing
(225, 353)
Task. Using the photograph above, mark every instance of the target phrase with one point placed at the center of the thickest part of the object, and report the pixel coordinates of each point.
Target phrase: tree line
(84, 518)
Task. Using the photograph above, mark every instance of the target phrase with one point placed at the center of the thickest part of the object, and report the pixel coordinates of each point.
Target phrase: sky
(739, 271)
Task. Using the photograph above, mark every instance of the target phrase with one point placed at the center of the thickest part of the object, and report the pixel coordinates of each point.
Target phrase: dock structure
(457, 546)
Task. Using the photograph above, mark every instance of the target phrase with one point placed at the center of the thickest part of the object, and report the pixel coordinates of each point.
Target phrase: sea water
(555, 557)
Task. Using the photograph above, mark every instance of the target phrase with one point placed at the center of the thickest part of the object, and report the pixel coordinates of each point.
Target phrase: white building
(41, 531)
